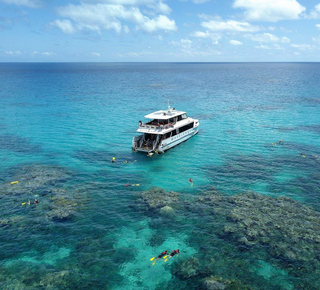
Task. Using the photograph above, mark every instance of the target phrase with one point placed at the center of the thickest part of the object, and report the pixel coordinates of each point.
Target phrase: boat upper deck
(164, 114)
(164, 121)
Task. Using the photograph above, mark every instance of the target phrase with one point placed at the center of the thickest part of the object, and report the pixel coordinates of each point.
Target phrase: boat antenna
(169, 106)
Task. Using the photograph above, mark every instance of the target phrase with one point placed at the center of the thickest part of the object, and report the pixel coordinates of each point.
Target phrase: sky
(159, 30)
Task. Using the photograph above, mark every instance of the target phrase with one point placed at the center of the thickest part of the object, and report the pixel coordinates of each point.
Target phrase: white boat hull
(176, 140)
(167, 143)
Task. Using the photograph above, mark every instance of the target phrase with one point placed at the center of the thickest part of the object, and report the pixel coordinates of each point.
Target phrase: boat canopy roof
(164, 114)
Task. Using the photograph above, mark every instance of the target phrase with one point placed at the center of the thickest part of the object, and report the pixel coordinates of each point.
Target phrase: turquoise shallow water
(61, 124)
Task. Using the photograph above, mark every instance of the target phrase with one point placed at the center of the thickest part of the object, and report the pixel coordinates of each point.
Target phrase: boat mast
(169, 109)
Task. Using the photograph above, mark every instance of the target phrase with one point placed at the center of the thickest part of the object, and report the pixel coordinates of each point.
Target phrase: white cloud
(215, 37)
(315, 13)
(188, 48)
(235, 42)
(270, 10)
(195, 53)
(65, 25)
(267, 37)
(98, 17)
(199, 1)
(46, 53)
(318, 26)
(277, 46)
(27, 3)
(13, 53)
(274, 46)
(196, 1)
(96, 54)
(143, 53)
(302, 46)
(124, 2)
(161, 22)
(229, 26)
(316, 40)
(162, 8)
(285, 39)
(201, 34)
(262, 47)
(185, 43)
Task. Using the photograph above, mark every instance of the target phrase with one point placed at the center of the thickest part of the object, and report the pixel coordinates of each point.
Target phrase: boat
(164, 130)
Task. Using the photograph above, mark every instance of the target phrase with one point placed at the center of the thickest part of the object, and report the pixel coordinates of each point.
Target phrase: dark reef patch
(314, 128)
(33, 178)
(18, 144)
(247, 168)
(311, 128)
(157, 201)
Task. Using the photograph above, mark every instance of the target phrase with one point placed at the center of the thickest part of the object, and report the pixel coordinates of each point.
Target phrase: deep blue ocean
(251, 220)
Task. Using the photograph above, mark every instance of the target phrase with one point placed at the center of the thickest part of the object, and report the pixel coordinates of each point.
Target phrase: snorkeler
(191, 181)
(173, 253)
(29, 202)
(128, 184)
(162, 255)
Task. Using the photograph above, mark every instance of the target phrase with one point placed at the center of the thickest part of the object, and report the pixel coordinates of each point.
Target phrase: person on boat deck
(140, 123)
(173, 253)
(162, 254)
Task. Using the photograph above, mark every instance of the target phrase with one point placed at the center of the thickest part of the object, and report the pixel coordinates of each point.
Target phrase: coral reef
(219, 283)
(157, 200)
(187, 268)
(32, 178)
(166, 211)
(290, 230)
(49, 184)
(63, 207)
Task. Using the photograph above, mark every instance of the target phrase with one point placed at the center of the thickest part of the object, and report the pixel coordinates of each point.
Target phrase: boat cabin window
(157, 122)
(186, 127)
(179, 130)
(182, 117)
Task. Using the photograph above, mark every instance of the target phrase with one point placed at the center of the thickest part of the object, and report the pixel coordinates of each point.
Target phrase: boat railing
(157, 127)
